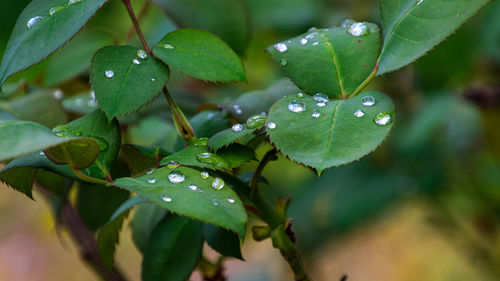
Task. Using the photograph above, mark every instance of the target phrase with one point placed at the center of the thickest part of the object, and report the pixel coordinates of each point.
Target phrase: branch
(265, 159)
(137, 27)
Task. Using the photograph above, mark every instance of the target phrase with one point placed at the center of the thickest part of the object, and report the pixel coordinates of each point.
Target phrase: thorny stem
(137, 27)
(265, 159)
(366, 82)
(85, 239)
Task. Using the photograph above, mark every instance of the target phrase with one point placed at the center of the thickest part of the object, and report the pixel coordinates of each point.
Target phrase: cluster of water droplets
(382, 118)
(32, 22)
(355, 28)
(237, 109)
(211, 159)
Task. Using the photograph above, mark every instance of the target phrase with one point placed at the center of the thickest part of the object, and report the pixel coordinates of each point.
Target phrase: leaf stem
(366, 82)
(137, 27)
(140, 16)
(265, 159)
(86, 178)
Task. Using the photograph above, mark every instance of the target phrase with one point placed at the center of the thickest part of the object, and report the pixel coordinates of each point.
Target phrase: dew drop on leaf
(33, 21)
(300, 95)
(419, 2)
(237, 128)
(256, 121)
(316, 114)
(165, 198)
(315, 43)
(211, 159)
(42, 153)
(142, 54)
(296, 106)
(55, 9)
(218, 183)
(214, 201)
(319, 97)
(168, 46)
(71, 2)
(281, 47)
(283, 62)
(303, 41)
(230, 200)
(151, 181)
(109, 73)
(58, 94)
(359, 113)
(346, 23)
(176, 177)
(204, 175)
(382, 119)
(172, 165)
(136, 61)
(358, 29)
(150, 171)
(193, 187)
(368, 101)
(271, 125)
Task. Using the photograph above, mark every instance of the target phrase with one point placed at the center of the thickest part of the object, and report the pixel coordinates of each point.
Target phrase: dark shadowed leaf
(223, 241)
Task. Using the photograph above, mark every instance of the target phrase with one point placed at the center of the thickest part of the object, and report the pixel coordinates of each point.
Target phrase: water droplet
(419, 2)
(168, 46)
(283, 62)
(311, 35)
(152, 79)
(58, 94)
(315, 43)
(42, 153)
(136, 61)
(312, 29)
(33, 21)
(201, 142)
(358, 29)
(236, 106)
(71, 2)
(109, 73)
(296, 106)
(176, 177)
(150, 171)
(55, 9)
(172, 165)
(92, 103)
(165, 198)
(271, 125)
(211, 159)
(316, 114)
(237, 128)
(382, 119)
(193, 187)
(218, 183)
(303, 41)
(320, 104)
(346, 23)
(92, 95)
(368, 101)
(151, 180)
(204, 175)
(321, 98)
(214, 201)
(230, 200)
(359, 113)
(300, 95)
(256, 121)
(61, 131)
(239, 111)
(281, 47)
(142, 54)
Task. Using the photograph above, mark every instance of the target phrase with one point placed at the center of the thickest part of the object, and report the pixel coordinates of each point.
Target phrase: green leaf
(24, 137)
(133, 81)
(173, 250)
(225, 242)
(228, 19)
(82, 103)
(20, 179)
(229, 136)
(107, 239)
(96, 203)
(201, 55)
(329, 61)
(334, 138)
(411, 28)
(198, 155)
(140, 158)
(7, 116)
(127, 205)
(146, 217)
(28, 46)
(219, 207)
(39, 106)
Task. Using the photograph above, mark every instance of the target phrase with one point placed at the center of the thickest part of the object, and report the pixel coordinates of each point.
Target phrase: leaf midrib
(336, 66)
(330, 135)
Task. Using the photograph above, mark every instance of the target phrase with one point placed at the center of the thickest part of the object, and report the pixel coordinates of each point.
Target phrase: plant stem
(140, 16)
(86, 178)
(265, 159)
(366, 82)
(137, 27)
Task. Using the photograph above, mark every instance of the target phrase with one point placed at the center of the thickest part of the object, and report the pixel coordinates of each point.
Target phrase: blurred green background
(424, 206)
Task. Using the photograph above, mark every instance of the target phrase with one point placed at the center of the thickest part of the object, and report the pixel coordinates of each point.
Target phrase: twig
(137, 27)
(265, 159)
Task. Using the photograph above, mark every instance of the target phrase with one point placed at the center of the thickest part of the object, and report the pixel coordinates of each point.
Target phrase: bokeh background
(424, 206)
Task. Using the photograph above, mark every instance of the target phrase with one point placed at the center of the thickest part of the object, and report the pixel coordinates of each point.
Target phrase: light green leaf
(28, 46)
(198, 155)
(23, 137)
(228, 19)
(123, 81)
(335, 137)
(218, 207)
(201, 55)
(173, 250)
(329, 61)
(413, 27)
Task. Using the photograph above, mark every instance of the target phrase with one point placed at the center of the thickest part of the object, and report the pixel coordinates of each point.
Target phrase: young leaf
(198, 155)
(323, 135)
(332, 61)
(413, 27)
(201, 55)
(173, 250)
(125, 78)
(42, 27)
(225, 242)
(24, 137)
(189, 192)
(228, 19)
(231, 135)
